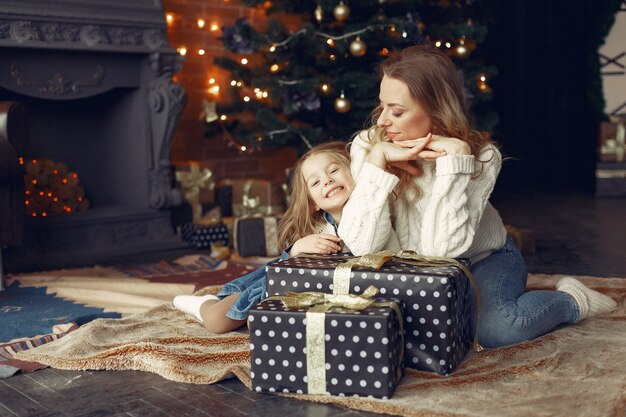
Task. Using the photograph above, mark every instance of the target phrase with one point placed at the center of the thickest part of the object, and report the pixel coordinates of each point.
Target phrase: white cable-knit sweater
(453, 217)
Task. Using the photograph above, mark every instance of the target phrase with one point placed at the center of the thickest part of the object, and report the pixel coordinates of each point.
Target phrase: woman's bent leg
(509, 314)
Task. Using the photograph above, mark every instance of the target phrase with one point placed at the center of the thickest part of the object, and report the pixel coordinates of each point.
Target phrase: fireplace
(96, 79)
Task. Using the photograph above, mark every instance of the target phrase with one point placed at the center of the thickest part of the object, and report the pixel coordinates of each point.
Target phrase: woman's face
(401, 117)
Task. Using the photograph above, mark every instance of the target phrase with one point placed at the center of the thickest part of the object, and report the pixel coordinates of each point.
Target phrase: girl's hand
(319, 243)
(437, 147)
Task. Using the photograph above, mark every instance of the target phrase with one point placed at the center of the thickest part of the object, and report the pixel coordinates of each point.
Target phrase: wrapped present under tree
(256, 236)
(202, 236)
(250, 197)
(197, 187)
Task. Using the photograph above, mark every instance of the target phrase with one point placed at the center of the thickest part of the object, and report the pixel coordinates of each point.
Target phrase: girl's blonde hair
(434, 82)
(301, 219)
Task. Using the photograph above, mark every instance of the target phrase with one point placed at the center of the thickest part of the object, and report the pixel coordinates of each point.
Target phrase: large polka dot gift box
(201, 237)
(342, 352)
(436, 316)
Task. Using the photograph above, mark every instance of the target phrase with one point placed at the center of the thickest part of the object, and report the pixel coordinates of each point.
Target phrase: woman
(443, 173)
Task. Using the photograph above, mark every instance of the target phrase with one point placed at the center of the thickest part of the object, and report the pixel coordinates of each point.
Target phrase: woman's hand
(438, 146)
(319, 243)
(383, 154)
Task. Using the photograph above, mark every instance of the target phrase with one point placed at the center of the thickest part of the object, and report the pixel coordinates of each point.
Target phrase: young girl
(321, 186)
(422, 140)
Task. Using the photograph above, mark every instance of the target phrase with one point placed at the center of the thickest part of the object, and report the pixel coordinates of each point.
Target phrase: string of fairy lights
(51, 188)
(461, 47)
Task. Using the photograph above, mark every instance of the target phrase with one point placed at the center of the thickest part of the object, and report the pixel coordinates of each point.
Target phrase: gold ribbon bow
(249, 203)
(341, 276)
(318, 303)
(192, 182)
(321, 302)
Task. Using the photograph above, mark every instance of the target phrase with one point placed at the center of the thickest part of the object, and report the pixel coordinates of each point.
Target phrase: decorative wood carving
(58, 84)
(166, 101)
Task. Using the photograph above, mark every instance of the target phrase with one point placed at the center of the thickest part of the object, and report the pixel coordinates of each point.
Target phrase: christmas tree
(319, 82)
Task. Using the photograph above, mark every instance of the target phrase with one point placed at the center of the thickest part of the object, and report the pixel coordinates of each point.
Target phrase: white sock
(190, 304)
(590, 302)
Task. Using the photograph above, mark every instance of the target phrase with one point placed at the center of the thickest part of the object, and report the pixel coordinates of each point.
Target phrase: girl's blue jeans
(509, 314)
(251, 288)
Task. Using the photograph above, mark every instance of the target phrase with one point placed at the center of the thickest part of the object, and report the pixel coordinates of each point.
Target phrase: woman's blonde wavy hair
(434, 82)
(301, 218)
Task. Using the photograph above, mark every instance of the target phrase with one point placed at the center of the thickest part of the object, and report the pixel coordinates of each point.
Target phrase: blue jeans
(251, 288)
(509, 314)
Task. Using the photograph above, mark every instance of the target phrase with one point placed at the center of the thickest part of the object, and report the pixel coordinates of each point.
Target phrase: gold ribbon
(239, 210)
(341, 276)
(318, 304)
(192, 182)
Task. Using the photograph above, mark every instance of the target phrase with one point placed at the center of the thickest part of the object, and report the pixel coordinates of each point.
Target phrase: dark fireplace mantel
(96, 79)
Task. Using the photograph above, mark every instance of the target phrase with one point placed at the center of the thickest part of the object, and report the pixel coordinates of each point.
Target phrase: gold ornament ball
(342, 105)
(341, 12)
(358, 47)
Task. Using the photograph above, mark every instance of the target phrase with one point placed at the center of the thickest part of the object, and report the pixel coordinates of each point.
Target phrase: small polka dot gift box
(338, 351)
(436, 315)
(201, 237)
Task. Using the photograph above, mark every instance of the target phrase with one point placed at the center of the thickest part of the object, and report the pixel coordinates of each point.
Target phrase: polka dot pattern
(202, 236)
(362, 350)
(436, 314)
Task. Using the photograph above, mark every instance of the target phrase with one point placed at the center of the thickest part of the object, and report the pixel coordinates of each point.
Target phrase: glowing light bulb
(201, 52)
(182, 51)
(246, 99)
(274, 68)
(243, 148)
(325, 88)
(330, 42)
(272, 48)
(211, 80)
(214, 89)
(169, 18)
(244, 61)
(201, 23)
(223, 117)
(233, 83)
(214, 27)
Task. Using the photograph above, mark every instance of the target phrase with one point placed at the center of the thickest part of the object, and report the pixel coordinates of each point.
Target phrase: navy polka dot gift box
(436, 315)
(201, 237)
(346, 352)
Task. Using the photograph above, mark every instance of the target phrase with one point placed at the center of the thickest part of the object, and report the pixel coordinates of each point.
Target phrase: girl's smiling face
(401, 116)
(329, 183)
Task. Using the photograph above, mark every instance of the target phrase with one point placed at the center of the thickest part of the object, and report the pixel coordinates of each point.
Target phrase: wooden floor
(575, 235)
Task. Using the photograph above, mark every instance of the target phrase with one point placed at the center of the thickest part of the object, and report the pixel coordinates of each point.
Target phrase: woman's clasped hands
(427, 148)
